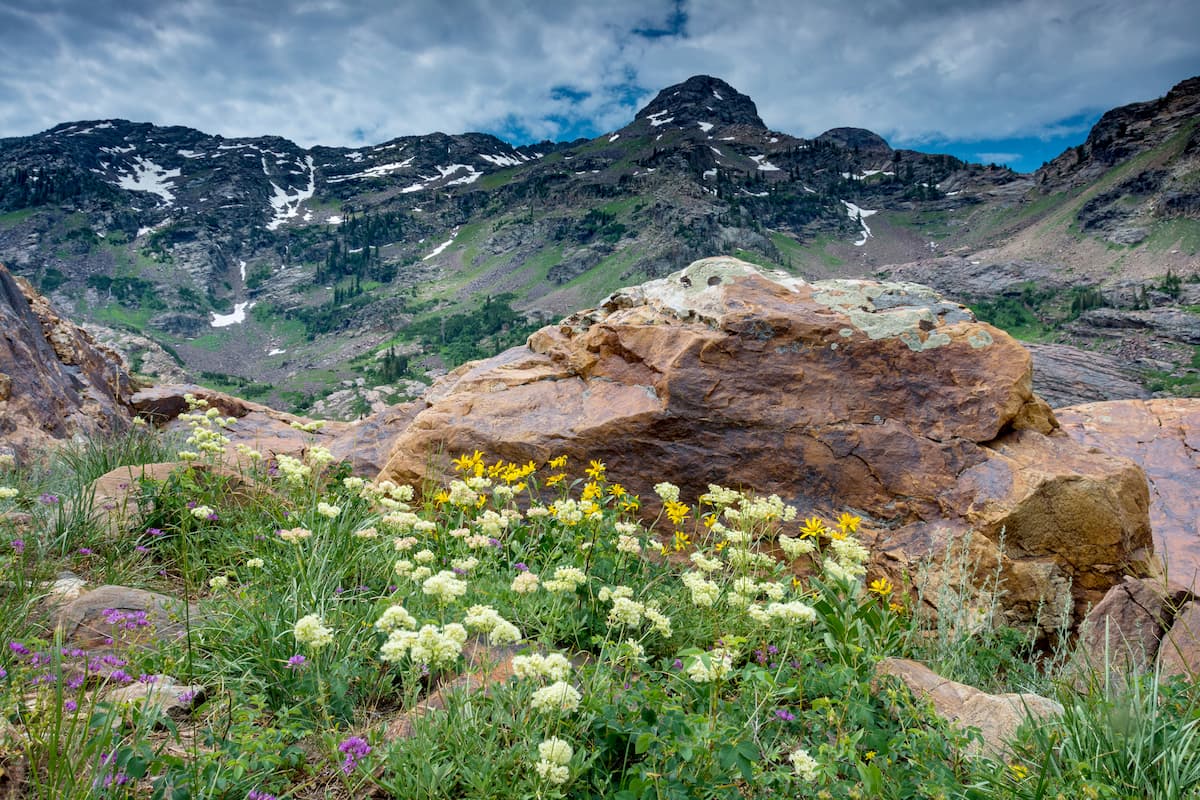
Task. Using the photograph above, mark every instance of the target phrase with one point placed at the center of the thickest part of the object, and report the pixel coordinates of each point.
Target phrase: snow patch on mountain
(763, 164)
(286, 204)
(437, 251)
(501, 160)
(146, 176)
(656, 118)
(236, 318)
(860, 215)
(377, 171)
(705, 126)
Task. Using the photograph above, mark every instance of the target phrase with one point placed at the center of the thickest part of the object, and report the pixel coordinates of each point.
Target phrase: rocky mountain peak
(701, 99)
(861, 139)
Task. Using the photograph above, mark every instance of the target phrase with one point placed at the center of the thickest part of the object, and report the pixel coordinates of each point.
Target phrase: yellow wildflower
(1019, 772)
(681, 540)
(881, 586)
(631, 503)
(616, 490)
(813, 527)
(676, 512)
(557, 462)
(848, 523)
(465, 463)
(596, 470)
(442, 497)
(554, 480)
(591, 490)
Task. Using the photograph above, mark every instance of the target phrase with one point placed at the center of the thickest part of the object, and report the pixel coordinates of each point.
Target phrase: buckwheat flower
(849, 552)
(551, 773)
(758, 614)
(737, 537)
(8, 460)
(566, 579)
(669, 492)
(608, 593)
(444, 587)
(328, 510)
(294, 535)
(628, 544)
(534, 512)
(554, 666)
(625, 612)
(525, 583)
(255, 563)
(704, 592)
(424, 557)
(462, 566)
(659, 621)
(774, 590)
(419, 574)
(8, 492)
(555, 750)
(310, 631)
(705, 563)
(353, 484)
(794, 548)
(720, 496)
(805, 766)
(201, 512)
(218, 582)
(558, 696)
(712, 666)
(394, 618)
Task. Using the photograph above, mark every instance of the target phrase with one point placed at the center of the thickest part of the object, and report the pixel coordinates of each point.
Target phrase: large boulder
(1163, 437)
(881, 397)
(56, 382)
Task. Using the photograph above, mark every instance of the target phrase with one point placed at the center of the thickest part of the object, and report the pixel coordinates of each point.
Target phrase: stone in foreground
(879, 397)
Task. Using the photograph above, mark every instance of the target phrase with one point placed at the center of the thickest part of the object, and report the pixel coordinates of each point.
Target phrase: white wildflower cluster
(353, 483)
(464, 565)
(294, 535)
(8, 460)
(205, 436)
(485, 619)
(395, 617)
(435, 647)
(399, 523)
(294, 471)
(554, 666)
(712, 666)
(668, 492)
(312, 426)
(369, 532)
(425, 556)
(792, 613)
(659, 621)
(218, 582)
(535, 512)
(503, 494)
(462, 495)
(720, 496)
(255, 563)
(568, 512)
(805, 766)
(525, 583)
(444, 587)
(566, 579)
(755, 510)
(247, 452)
(793, 548)
(625, 612)
(318, 457)
(834, 569)
(704, 563)
(850, 553)
(628, 544)
(704, 591)
(311, 632)
(402, 544)
(202, 512)
(8, 492)
(554, 755)
(386, 494)
(491, 524)
(328, 510)
(743, 558)
(559, 696)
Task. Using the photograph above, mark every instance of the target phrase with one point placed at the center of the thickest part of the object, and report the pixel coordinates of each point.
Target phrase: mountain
(283, 273)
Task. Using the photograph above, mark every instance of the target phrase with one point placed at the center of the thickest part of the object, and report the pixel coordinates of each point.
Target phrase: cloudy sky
(1012, 81)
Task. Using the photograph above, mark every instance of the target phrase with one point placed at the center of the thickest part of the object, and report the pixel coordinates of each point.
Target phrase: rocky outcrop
(55, 381)
(1064, 376)
(1163, 436)
(1139, 625)
(996, 716)
(881, 397)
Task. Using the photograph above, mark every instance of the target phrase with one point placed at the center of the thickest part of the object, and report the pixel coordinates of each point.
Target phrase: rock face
(996, 717)
(1163, 437)
(1065, 376)
(55, 381)
(881, 397)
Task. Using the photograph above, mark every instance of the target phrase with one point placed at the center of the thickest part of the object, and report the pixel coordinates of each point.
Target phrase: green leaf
(643, 742)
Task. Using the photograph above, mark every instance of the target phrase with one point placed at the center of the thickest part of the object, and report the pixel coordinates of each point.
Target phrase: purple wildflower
(187, 697)
(212, 517)
(3, 672)
(47, 499)
(154, 531)
(147, 679)
(296, 661)
(18, 648)
(255, 794)
(18, 546)
(678, 664)
(354, 748)
(85, 551)
(521, 566)
(785, 715)
(71, 705)
(120, 676)
(141, 548)
(192, 504)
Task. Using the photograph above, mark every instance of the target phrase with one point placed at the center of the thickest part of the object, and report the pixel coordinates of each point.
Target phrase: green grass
(327, 611)
(15, 218)
(1180, 234)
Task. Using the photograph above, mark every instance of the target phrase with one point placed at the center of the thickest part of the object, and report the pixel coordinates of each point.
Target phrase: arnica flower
(881, 586)
(813, 528)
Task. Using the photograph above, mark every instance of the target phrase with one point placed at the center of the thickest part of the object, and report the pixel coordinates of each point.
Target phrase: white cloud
(332, 72)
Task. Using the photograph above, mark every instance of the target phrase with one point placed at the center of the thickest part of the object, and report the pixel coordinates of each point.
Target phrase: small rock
(1179, 653)
(146, 618)
(1121, 634)
(162, 693)
(996, 716)
(67, 586)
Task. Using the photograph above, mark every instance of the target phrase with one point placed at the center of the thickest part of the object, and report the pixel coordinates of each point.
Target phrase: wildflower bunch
(558, 697)
(566, 579)
(554, 755)
(311, 631)
(711, 666)
(432, 646)
(553, 666)
(444, 587)
(395, 617)
(485, 619)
